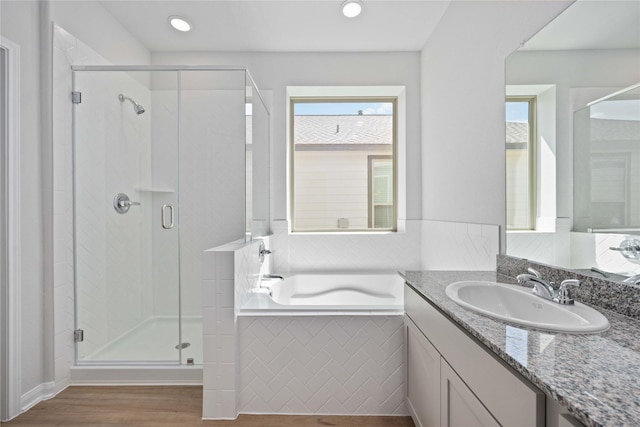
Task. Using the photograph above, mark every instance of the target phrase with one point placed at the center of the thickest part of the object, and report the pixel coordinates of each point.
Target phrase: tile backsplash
(459, 246)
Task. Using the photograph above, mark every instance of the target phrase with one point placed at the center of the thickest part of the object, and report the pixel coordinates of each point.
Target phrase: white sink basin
(516, 304)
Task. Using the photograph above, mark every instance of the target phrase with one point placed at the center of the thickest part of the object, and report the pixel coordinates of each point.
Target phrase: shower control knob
(122, 203)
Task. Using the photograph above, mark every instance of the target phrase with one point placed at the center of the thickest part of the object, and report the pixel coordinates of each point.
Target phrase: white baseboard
(413, 413)
(36, 395)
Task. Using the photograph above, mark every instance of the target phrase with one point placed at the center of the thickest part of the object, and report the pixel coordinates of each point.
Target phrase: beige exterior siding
(331, 185)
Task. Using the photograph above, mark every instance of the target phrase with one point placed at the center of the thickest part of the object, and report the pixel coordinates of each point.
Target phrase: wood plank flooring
(165, 406)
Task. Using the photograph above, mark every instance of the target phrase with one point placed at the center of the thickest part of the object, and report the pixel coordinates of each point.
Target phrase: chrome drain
(183, 345)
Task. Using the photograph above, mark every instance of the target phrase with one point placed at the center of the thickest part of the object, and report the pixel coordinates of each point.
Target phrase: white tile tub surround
(358, 251)
(343, 365)
(459, 246)
(228, 272)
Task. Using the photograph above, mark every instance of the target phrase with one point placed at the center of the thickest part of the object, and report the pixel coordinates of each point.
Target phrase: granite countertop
(597, 376)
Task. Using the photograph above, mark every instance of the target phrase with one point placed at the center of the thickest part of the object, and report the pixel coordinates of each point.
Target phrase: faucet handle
(570, 282)
(563, 295)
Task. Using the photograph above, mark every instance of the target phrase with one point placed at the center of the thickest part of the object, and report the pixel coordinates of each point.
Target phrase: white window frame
(532, 159)
(398, 92)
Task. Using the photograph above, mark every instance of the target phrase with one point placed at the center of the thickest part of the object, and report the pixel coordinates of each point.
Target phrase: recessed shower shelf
(155, 190)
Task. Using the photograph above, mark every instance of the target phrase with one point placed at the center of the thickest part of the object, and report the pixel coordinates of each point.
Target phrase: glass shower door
(127, 274)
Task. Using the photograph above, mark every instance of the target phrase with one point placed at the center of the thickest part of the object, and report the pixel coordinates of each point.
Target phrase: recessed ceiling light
(179, 23)
(352, 8)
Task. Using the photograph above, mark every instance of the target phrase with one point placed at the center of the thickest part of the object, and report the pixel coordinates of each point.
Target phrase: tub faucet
(272, 277)
(633, 279)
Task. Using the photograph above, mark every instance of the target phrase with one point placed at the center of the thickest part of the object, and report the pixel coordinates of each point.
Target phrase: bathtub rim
(259, 303)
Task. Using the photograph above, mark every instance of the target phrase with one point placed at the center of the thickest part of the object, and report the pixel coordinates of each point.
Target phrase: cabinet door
(423, 378)
(459, 406)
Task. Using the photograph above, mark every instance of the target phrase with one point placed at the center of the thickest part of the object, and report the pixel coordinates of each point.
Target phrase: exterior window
(521, 164)
(343, 161)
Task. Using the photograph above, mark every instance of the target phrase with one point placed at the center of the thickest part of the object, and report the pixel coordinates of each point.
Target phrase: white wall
(276, 71)
(463, 96)
(463, 106)
(97, 28)
(20, 24)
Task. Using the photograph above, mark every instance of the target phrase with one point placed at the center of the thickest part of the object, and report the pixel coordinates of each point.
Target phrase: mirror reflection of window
(520, 166)
(606, 158)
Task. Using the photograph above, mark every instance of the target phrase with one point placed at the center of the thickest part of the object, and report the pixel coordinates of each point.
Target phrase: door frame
(10, 305)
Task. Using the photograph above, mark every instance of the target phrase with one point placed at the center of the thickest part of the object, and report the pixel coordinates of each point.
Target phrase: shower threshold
(136, 375)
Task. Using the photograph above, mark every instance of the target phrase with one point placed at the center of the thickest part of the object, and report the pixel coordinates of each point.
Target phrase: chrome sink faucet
(544, 289)
(541, 287)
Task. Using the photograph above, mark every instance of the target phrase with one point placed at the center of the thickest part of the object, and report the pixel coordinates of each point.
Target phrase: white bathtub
(352, 293)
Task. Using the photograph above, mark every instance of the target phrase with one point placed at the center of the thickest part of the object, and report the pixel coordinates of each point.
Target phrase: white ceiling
(592, 25)
(280, 26)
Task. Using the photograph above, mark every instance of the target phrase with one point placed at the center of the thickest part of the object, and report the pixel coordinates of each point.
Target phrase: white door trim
(10, 306)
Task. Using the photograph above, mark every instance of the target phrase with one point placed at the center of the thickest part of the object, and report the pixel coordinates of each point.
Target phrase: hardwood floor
(164, 406)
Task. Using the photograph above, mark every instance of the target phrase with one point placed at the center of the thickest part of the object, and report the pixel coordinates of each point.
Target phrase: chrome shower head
(139, 109)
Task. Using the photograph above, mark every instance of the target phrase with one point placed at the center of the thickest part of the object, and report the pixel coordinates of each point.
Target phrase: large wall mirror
(573, 142)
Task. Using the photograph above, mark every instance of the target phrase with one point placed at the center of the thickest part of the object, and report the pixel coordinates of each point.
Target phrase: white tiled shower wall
(211, 179)
(67, 50)
(211, 170)
(114, 143)
(113, 258)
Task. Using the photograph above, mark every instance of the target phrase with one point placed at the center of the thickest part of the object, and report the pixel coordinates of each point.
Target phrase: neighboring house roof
(369, 129)
(517, 132)
(357, 129)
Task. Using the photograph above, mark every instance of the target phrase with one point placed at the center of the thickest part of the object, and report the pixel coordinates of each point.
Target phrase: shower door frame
(142, 68)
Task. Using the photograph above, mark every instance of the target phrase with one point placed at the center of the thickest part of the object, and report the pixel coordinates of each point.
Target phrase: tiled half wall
(321, 365)
(292, 364)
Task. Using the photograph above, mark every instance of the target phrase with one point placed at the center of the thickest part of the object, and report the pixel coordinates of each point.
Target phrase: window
(521, 164)
(343, 164)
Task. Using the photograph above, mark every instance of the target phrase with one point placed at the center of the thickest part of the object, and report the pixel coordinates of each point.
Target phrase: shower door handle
(164, 216)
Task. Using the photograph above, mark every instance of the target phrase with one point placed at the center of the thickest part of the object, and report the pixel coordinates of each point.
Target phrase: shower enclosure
(168, 162)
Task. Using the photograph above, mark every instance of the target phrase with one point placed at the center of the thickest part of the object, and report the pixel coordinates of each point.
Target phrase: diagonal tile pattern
(321, 364)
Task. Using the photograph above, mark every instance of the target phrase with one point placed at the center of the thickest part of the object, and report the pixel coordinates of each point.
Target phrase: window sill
(344, 233)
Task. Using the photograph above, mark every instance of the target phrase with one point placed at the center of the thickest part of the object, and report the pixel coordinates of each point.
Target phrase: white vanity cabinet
(423, 378)
(459, 407)
(452, 380)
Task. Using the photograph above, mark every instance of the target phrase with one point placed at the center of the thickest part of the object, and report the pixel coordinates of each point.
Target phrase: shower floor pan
(147, 354)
